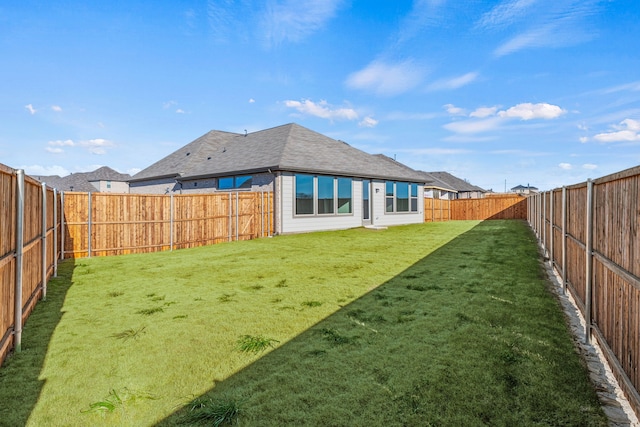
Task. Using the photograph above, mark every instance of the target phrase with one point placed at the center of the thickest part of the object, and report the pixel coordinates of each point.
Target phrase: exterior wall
(155, 186)
(379, 216)
(301, 224)
(114, 187)
(259, 182)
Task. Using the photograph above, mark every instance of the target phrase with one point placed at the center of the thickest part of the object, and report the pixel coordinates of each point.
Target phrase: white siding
(379, 215)
(301, 224)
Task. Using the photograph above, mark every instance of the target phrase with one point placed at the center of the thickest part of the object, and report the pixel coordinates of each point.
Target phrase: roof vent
(209, 158)
(188, 154)
(224, 149)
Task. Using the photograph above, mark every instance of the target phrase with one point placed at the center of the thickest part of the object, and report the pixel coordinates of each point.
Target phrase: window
(401, 197)
(304, 195)
(325, 195)
(234, 182)
(322, 195)
(344, 195)
(108, 184)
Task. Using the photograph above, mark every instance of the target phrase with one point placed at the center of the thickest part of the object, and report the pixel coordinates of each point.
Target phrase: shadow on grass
(469, 335)
(19, 374)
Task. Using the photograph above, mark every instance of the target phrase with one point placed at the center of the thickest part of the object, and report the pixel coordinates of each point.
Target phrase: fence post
(62, 225)
(44, 241)
(55, 233)
(262, 213)
(544, 223)
(171, 206)
(89, 225)
(589, 261)
(230, 215)
(564, 240)
(551, 254)
(237, 214)
(17, 315)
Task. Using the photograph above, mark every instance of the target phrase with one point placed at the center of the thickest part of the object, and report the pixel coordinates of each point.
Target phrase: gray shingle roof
(82, 181)
(454, 182)
(285, 148)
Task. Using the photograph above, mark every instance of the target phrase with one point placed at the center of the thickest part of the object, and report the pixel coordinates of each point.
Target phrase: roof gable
(455, 182)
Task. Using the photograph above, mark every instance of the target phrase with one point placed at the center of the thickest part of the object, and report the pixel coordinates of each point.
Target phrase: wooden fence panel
(7, 259)
(492, 207)
(604, 278)
(37, 251)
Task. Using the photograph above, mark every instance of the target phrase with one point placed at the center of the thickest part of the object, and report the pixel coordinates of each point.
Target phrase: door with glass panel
(366, 202)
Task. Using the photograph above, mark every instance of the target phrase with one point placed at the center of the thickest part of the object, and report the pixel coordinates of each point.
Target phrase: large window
(401, 197)
(322, 195)
(304, 194)
(234, 182)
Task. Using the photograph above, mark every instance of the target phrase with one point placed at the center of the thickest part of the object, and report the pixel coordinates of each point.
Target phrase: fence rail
(590, 232)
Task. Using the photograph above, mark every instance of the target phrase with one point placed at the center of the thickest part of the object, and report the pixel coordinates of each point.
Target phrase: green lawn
(432, 324)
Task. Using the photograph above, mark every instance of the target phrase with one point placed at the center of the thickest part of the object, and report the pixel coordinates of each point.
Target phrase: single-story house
(522, 189)
(104, 180)
(319, 183)
(447, 186)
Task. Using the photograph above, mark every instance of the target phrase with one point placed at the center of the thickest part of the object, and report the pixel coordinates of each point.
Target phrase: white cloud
(528, 111)
(455, 111)
(505, 13)
(39, 170)
(168, 104)
(54, 150)
(474, 126)
(483, 112)
(454, 82)
(368, 122)
(180, 111)
(30, 109)
(386, 79)
(589, 166)
(293, 20)
(56, 108)
(565, 166)
(96, 146)
(61, 143)
(251, 100)
(627, 130)
(541, 23)
(322, 109)
(584, 139)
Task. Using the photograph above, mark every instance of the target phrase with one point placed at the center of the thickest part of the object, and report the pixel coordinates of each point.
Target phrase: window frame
(393, 196)
(234, 183)
(325, 207)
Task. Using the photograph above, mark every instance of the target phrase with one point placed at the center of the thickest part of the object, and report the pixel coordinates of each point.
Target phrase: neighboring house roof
(284, 148)
(437, 183)
(524, 187)
(82, 181)
(459, 185)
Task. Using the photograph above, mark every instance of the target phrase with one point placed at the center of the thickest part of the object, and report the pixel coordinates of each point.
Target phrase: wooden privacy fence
(590, 232)
(500, 206)
(29, 249)
(100, 224)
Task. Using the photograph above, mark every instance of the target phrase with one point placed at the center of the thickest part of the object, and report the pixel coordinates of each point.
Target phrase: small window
(401, 197)
(234, 182)
(108, 184)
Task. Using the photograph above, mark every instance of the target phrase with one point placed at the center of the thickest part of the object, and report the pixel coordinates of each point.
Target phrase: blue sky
(501, 93)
